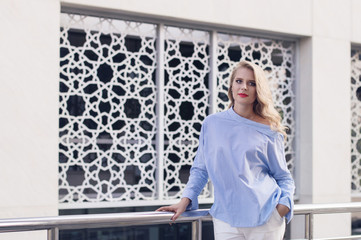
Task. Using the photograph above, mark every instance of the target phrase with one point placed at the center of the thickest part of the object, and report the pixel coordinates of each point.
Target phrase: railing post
(197, 230)
(53, 234)
(309, 226)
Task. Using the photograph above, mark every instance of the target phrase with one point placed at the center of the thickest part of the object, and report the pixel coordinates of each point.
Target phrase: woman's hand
(282, 210)
(178, 208)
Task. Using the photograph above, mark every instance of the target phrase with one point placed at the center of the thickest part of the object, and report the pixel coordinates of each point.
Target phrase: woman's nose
(244, 86)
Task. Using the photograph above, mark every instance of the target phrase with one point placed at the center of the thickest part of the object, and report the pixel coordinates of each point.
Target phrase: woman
(242, 151)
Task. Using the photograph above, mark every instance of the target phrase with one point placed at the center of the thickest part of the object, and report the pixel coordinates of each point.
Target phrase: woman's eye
(253, 84)
(238, 81)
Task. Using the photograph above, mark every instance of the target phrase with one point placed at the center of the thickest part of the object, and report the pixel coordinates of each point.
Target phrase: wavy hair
(263, 105)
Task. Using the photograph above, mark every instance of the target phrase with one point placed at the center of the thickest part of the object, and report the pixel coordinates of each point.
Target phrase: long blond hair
(263, 105)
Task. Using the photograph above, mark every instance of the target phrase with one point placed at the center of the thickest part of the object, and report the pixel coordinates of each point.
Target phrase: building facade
(103, 101)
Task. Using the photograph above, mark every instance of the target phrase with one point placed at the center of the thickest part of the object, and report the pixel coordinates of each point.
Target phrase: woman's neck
(245, 111)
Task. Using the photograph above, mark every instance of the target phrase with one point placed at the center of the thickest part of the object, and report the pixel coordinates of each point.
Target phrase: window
(133, 97)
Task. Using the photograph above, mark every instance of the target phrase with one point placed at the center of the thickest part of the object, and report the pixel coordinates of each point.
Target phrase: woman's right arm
(178, 208)
(198, 174)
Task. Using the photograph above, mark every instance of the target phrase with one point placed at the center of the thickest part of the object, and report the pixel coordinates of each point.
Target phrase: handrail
(309, 210)
(54, 224)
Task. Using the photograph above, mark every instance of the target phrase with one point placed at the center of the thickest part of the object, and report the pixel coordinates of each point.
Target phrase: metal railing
(53, 224)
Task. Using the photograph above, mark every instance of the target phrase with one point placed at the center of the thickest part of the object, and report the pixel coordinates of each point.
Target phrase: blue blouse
(246, 163)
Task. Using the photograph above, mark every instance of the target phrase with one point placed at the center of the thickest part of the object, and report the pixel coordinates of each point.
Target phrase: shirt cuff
(193, 205)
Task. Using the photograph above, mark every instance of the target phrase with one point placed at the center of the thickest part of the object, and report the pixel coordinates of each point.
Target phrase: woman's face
(244, 87)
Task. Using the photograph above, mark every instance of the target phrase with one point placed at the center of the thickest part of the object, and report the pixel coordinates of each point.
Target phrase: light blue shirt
(246, 163)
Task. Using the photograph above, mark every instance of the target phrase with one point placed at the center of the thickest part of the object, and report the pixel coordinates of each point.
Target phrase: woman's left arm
(283, 177)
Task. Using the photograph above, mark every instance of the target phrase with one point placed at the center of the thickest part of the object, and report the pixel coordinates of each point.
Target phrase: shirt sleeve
(198, 175)
(280, 172)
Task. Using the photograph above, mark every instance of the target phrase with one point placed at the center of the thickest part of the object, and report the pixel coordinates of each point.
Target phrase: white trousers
(274, 229)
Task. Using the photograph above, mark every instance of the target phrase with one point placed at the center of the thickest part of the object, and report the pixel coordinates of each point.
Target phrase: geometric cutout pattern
(186, 70)
(107, 110)
(356, 121)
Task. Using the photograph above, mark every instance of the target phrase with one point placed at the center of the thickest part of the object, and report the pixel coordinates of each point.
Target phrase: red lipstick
(242, 95)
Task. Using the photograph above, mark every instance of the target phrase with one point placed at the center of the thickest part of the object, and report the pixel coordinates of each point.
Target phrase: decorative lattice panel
(186, 66)
(108, 124)
(107, 110)
(277, 59)
(356, 120)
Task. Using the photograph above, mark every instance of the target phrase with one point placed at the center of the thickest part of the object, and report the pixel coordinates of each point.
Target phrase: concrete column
(324, 101)
(29, 64)
(331, 132)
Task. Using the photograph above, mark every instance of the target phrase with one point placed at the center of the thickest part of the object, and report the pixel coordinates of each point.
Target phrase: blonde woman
(241, 150)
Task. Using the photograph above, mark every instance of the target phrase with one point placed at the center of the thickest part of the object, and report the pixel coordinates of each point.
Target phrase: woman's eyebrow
(239, 78)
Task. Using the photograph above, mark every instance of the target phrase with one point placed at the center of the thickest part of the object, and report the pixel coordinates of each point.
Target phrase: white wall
(29, 109)
(282, 16)
(29, 46)
(355, 21)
